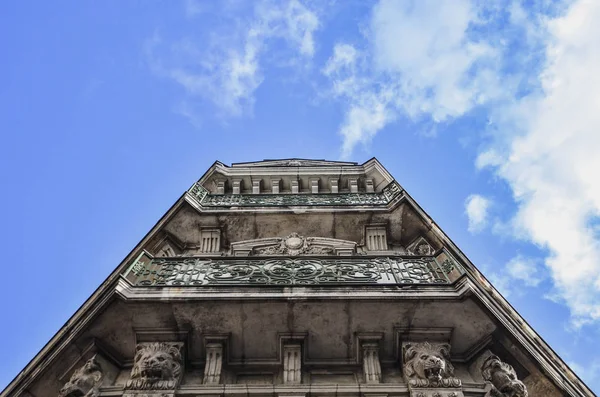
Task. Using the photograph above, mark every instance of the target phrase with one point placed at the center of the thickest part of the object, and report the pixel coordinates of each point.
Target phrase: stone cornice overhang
(386, 201)
(472, 283)
(341, 169)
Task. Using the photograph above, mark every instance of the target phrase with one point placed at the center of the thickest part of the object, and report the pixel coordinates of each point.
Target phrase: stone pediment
(293, 245)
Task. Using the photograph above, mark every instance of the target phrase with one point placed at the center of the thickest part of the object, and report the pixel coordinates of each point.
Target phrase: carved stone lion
(503, 377)
(427, 361)
(84, 382)
(157, 366)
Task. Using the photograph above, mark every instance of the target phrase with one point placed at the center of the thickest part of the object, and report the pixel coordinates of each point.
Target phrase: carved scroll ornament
(428, 365)
(294, 245)
(503, 378)
(84, 382)
(157, 366)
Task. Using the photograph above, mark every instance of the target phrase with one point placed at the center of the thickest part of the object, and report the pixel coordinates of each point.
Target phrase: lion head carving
(503, 377)
(157, 365)
(429, 361)
(84, 381)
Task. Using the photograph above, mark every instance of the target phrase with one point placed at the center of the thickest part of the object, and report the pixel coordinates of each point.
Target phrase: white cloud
(226, 68)
(534, 71)
(477, 208)
(551, 162)
(419, 61)
(426, 45)
(525, 270)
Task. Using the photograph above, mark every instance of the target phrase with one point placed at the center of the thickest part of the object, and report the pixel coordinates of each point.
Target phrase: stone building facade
(296, 278)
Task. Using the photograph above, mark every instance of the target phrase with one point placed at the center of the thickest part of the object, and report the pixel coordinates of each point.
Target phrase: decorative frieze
(85, 381)
(214, 363)
(371, 364)
(292, 364)
(295, 245)
(236, 199)
(157, 366)
(503, 378)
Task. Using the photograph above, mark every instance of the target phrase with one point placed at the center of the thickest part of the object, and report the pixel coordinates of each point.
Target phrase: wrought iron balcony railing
(197, 271)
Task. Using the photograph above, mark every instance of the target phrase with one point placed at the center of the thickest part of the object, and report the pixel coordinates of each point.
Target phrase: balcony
(289, 271)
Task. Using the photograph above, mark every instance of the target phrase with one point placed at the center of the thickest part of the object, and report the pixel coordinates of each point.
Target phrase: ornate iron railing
(206, 199)
(147, 271)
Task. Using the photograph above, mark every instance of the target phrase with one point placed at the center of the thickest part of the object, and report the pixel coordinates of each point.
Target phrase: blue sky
(488, 115)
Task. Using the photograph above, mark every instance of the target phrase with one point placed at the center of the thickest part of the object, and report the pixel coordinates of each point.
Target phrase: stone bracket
(292, 363)
(368, 344)
(215, 347)
(214, 363)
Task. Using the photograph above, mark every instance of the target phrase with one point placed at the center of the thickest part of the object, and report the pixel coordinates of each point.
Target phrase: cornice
(203, 201)
(345, 169)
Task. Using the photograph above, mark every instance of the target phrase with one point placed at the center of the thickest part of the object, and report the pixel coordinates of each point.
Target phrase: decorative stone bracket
(292, 364)
(214, 363)
(503, 378)
(85, 381)
(428, 370)
(371, 364)
(157, 366)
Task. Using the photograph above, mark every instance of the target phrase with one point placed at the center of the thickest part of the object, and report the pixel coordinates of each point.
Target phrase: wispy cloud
(420, 60)
(549, 156)
(476, 208)
(531, 69)
(226, 69)
(526, 270)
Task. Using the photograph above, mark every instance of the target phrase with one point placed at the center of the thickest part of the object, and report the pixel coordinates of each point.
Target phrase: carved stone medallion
(420, 247)
(294, 245)
(503, 378)
(85, 381)
(157, 366)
